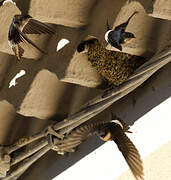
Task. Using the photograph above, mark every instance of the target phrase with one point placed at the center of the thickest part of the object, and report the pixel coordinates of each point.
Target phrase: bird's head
(85, 44)
(109, 131)
(112, 128)
(18, 19)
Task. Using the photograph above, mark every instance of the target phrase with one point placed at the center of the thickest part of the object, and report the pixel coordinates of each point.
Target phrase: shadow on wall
(15, 95)
(97, 27)
(23, 126)
(14, 126)
(24, 6)
(130, 108)
(161, 33)
(53, 164)
(147, 5)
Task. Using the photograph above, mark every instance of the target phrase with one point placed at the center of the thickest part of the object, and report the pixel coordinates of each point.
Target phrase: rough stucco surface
(161, 9)
(39, 95)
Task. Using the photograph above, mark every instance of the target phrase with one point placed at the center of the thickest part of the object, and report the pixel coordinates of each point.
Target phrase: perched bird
(107, 131)
(118, 36)
(113, 66)
(22, 25)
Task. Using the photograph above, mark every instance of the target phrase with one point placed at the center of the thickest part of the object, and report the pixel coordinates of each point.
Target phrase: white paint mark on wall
(18, 75)
(9, 1)
(61, 44)
(150, 132)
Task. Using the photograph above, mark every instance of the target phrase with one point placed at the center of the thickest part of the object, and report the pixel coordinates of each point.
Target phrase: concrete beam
(151, 34)
(73, 13)
(161, 9)
(48, 97)
(66, 64)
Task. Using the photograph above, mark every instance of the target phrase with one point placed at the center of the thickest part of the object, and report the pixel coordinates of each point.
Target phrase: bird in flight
(114, 130)
(118, 36)
(22, 25)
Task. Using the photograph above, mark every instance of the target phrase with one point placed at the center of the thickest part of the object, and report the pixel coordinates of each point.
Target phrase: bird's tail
(131, 16)
(125, 24)
(107, 25)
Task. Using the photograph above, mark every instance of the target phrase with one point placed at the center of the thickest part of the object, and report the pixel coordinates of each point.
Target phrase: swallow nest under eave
(113, 66)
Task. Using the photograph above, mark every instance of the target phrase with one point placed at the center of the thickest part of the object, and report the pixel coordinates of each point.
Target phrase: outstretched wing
(32, 26)
(24, 38)
(125, 24)
(79, 135)
(130, 154)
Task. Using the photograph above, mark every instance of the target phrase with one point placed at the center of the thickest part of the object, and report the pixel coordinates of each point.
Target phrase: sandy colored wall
(40, 95)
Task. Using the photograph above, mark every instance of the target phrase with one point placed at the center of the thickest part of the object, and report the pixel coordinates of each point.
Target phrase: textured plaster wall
(39, 95)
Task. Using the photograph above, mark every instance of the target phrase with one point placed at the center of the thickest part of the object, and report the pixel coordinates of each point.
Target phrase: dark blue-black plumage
(118, 36)
(22, 25)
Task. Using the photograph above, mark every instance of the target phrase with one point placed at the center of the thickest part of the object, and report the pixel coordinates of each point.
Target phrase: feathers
(24, 38)
(116, 132)
(107, 25)
(125, 24)
(78, 136)
(107, 34)
(36, 27)
(118, 36)
(130, 153)
(22, 25)
(107, 131)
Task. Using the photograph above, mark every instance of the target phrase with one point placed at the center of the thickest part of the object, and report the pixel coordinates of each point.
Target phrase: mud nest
(113, 66)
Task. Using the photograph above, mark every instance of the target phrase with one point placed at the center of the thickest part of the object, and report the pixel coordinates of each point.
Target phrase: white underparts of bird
(106, 35)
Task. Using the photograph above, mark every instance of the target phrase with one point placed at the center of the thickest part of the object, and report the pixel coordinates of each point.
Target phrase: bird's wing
(76, 137)
(121, 27)
(32, 26)
(130, 154)
(23, 38)
(80, 134)
(18, 50)
(116, 45)
(125, 24)
(114, 38)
